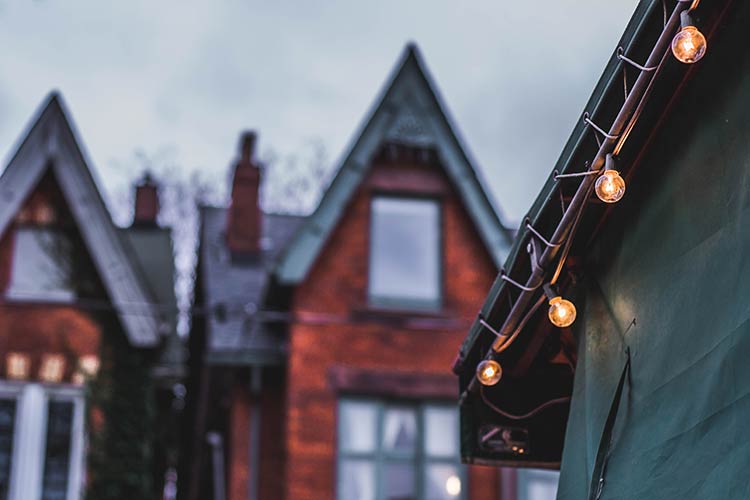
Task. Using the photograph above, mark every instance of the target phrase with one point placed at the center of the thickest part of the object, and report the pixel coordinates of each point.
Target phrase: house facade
(644, 394)
(321, 345)
(83, 303)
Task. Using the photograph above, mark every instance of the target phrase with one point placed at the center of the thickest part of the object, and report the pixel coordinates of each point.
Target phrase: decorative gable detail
(409, 112)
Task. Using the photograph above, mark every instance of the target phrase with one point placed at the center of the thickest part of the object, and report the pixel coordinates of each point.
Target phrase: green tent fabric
(668, 279)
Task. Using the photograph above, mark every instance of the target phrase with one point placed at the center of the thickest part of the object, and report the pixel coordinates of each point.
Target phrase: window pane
(57, 454)
(537, 484)
(40, 266)
(357, 426)
(398, 481)
(400, 430)
(405, 251)
(443, 482)
(7, 425)
(441, 431)
(356, 480)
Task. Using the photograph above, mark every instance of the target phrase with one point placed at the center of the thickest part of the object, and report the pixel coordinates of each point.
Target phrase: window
(405, 252)
(41, 266)
(536, 484)
(41, 442)
(393, 451)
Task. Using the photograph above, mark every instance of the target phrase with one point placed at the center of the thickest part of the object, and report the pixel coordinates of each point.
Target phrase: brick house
(77, 296)
(321, 346)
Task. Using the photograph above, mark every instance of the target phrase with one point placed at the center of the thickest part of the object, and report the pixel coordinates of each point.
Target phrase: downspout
(217, 464)
(256, 384)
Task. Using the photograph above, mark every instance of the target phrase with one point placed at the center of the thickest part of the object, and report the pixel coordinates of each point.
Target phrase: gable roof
(409, 111)
(233, 291)
(51, 143)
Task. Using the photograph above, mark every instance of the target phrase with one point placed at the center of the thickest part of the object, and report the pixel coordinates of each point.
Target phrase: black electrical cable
(529, 414)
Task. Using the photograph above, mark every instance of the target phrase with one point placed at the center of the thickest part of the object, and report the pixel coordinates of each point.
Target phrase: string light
(17, 365)
(610, 187)
(489, 372)
(562, 312)
(689, 44)
(53, 368)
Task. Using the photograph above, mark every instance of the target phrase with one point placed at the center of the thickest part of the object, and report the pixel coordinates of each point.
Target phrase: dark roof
(153, 252)
(410, 112)
(152, 247)
(234, 289)
(51, 144)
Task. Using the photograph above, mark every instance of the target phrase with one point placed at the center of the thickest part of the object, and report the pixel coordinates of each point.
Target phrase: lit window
(536, 484)
(17, 366)
(405, 255)
(88, 367)
(394, 451)
(53, 367)
(41, 264)
(41, 442)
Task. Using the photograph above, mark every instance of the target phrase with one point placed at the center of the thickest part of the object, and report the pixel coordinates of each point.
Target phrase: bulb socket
(609, 163)
(686, 19)
(549, 291)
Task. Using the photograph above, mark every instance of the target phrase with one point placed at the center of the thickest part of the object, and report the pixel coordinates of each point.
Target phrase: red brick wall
(346, 333)
(38, 329)
(243, 409)
(239, 444)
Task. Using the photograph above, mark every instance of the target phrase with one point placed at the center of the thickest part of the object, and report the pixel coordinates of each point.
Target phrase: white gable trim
(51, 142)
(409, 92)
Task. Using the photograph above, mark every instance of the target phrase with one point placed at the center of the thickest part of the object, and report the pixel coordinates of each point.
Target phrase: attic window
(41, 266)
(405, 252)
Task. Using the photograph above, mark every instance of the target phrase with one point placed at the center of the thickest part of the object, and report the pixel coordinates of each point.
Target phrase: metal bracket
(621, 56)
(587, 120)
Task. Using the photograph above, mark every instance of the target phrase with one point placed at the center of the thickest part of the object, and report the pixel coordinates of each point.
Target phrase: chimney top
(146, 201)
(247, 146)
(244, 220)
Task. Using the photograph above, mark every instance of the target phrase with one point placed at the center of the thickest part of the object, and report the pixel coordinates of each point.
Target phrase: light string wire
(521, 324)
(526, 415)
(500, 344)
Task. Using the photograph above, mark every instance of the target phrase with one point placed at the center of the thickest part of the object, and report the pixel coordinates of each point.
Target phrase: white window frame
(30, 434)
(395, 300)
(527, 478)
(420, 460)
(17, 292)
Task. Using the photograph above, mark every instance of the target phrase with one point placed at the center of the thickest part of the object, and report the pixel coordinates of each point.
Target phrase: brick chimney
(146, 201)
(244, 218)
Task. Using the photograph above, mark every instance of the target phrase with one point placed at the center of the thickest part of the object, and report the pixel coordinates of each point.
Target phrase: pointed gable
(51, 144)
(409, 112)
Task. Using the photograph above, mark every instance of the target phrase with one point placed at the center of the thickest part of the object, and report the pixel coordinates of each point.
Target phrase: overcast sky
(179, 80)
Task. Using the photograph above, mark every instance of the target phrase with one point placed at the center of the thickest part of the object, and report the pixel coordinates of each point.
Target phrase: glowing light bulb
(17, 365)
(689, 44)
(53, 368)
(489, 372)
(453, 486)
(562, 312)
(610, 187)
